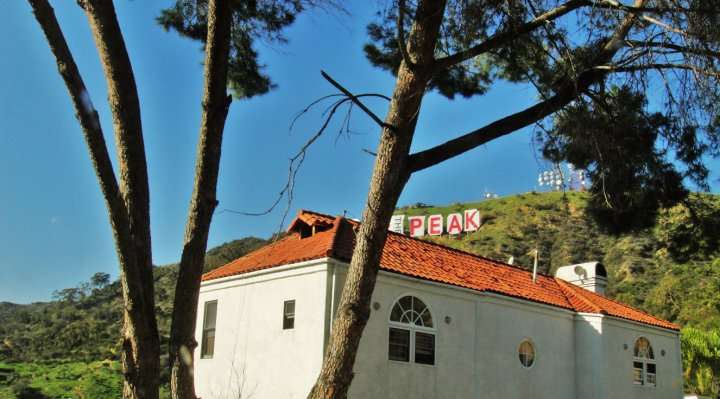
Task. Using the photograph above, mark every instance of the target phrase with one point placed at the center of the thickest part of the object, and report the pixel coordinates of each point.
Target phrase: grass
(59, 380)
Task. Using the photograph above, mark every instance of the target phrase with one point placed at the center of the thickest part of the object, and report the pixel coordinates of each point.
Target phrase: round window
(526, 353)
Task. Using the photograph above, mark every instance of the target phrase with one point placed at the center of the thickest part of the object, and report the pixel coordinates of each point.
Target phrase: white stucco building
(444, 324)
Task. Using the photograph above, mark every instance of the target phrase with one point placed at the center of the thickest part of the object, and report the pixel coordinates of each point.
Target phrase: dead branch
(296, 161)
(357, 101)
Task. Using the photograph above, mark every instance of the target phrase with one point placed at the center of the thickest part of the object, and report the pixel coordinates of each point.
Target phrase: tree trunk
(127, 202)
(389, 177)
(215, 108)
(141, 343)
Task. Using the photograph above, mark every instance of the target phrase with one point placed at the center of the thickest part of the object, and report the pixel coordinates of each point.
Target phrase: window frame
(205, 329)
(288, 322)
(534, 353)
(413, 330)
(644, 362)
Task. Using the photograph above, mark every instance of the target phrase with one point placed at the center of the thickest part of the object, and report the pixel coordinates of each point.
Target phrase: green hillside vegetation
(51, 345)
(67, 346)
(671, 269)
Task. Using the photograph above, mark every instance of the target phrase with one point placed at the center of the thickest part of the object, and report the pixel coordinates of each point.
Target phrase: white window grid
(408, 322)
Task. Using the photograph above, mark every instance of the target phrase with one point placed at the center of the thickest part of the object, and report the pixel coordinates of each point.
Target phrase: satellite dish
(580, 271)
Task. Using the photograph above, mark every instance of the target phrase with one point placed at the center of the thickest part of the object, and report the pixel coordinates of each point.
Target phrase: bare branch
(297, 160)
(355, 99)
(509, 34)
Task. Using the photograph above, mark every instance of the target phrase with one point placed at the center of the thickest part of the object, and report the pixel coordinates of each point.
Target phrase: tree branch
(140, 347)
(125, 108)
(673, 46)
(357, 102)
(509, 34)
(568, 91)
(657, 66)
(401, 36)
(92, 130)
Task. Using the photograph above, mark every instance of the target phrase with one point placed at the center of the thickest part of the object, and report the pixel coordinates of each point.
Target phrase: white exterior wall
(253, 354)
(476, 354)
(577, 355)
(616, 333)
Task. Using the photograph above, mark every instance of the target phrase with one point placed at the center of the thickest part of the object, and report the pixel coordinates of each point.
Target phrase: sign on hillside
(435, 225)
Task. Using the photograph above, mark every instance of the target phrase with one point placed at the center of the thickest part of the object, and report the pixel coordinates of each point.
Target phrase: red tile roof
(335, 238)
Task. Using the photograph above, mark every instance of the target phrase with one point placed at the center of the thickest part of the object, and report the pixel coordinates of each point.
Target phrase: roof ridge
(301, 210)
(500, 263)
(262, 248)
(628, 306)
(567, 290)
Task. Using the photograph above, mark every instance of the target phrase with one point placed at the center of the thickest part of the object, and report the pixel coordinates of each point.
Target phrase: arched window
(644, 363)
(526, 353)
(411, 332)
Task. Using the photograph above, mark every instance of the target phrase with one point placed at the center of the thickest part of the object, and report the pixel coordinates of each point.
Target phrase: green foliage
(60, 380)
(63, 339)
(643, 271)
(252, 20)
(230, 251)
(83, 323)
(701, 360)
(670, 269)
(624, 149)
(690, 229)
(466, 79)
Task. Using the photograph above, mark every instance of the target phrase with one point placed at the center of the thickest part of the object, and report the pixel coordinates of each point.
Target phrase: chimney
(591, 275)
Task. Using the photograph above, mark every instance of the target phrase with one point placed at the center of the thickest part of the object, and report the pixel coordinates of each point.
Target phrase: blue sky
(53, 224)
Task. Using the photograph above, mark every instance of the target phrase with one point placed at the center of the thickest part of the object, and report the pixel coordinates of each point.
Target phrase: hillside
(83, 323)
(671, 269)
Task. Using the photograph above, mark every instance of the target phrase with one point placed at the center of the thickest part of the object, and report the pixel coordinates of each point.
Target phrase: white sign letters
(396, 223)
(417, 226)
(454, 223)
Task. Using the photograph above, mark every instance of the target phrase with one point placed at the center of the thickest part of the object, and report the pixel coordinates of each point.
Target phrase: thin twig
(297, 160)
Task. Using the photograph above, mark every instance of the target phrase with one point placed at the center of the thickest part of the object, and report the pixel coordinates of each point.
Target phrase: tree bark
(389, 177)
(128, 203)
(393, 168)
(215, 105)
(141, 343)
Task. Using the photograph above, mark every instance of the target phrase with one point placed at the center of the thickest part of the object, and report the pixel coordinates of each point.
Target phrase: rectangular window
(650, 379)
(399, 345)
(289, 315)
(207, 347)
(424, 348)
(638, 373)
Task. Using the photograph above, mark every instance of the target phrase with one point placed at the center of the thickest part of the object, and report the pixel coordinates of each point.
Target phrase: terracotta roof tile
(429, 261)
(613, 308)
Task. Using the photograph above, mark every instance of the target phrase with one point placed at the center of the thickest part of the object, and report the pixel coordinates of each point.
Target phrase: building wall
(476, 352)
(618, 366)
(253, 355)
(477, 339)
